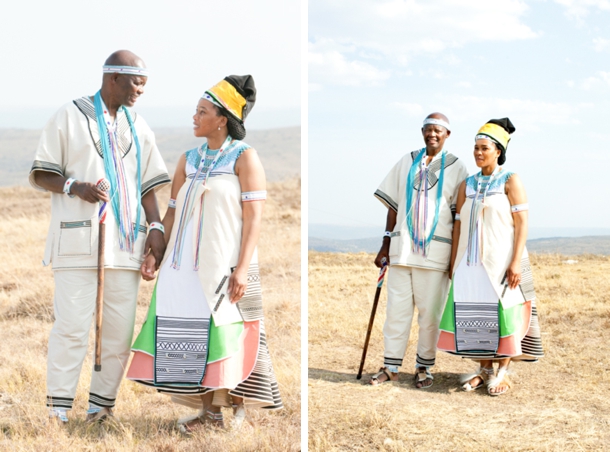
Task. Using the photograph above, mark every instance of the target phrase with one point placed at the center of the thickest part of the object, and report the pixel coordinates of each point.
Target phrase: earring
(218, 127)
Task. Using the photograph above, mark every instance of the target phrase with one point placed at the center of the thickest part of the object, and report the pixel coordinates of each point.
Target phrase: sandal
(421, 375)
(484, 374)
(500, 380)
(374, 381)
(188, 425)
(239, 416)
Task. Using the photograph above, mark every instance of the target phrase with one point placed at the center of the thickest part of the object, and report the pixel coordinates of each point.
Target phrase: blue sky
(52, 52)
(377, 68)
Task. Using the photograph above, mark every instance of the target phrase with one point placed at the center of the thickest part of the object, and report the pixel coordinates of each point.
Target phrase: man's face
(128, 88)
(434, 137)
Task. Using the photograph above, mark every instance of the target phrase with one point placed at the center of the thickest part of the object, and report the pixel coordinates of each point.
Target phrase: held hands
(88, 192)
(238, 282)
(148, 268)
(155, 245)
(513, 275)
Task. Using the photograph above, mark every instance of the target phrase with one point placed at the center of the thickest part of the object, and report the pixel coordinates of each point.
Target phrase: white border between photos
(304, 228)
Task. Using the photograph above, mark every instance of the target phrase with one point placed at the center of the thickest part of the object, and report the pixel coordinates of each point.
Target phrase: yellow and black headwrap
(235, 96)
(498, 131)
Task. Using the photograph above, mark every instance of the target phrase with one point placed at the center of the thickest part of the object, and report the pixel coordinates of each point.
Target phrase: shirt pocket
(138, 248)
(396, 239)
(75, 238)
(440, 250)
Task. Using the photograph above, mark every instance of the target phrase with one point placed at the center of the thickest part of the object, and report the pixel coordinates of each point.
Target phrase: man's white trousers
(408, 288)
(75, 293)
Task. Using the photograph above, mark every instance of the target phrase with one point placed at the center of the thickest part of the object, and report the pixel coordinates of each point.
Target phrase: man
(420, 193)
(86, 140)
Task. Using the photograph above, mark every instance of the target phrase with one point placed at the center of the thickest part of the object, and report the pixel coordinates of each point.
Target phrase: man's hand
(88, 192)
(384, 253)
(155, 243)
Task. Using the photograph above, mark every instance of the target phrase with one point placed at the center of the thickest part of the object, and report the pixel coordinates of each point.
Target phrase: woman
(490, 315)
(204, 339)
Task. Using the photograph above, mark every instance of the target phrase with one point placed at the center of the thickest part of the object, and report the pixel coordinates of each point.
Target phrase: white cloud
(579, 9)
(526, 114)
(601, 79)
(601, 44)
(415, 110)
(406, 27)
(464, 84)
(329, 66)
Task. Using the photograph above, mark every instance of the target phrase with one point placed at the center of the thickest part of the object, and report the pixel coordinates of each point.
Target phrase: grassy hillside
(279, 150)
(559, 403)
(144, 419)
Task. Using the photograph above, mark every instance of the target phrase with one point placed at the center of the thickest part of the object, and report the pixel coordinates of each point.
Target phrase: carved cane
(384, 267)
(103, 185)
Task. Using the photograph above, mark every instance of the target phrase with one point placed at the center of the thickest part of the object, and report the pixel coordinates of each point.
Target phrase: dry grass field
(559, 403)
(145, 420)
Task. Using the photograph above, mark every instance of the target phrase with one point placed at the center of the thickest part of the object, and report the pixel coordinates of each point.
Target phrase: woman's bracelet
(155, 225)
(172, 203)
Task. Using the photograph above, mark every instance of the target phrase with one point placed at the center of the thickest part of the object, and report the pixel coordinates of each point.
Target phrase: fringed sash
(200, 178)
(416, 219)
(115, 173)
(475, 231)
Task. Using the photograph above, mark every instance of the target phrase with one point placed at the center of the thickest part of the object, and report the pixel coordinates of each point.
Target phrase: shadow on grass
(444, 382)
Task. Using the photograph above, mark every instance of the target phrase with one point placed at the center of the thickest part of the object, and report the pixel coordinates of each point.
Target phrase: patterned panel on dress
(261, 385)
(251, 304)
(181, 349)
(527, 279)
(476, 327)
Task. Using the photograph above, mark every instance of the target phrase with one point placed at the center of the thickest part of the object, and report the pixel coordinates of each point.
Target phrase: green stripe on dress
(224, 340)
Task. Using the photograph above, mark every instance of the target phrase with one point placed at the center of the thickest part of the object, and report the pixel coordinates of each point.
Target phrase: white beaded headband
(437, 122)
(484, 137)
(129, 70)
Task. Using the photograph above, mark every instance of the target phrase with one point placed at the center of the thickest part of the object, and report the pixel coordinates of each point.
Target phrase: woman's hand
(148, 267)
(238, 283)
(513, 275)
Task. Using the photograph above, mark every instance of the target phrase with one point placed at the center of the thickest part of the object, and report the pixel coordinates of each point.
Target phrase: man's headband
(437, 122)
(128, 70)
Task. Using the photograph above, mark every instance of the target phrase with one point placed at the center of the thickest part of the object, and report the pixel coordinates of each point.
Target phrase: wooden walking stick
(384, 267)
(103, 185)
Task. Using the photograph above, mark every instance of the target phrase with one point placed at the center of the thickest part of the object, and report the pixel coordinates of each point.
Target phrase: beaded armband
(260, 195)
(519, 208)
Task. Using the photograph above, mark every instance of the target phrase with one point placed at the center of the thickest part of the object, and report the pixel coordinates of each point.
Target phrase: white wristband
(387, 234)
(172, 203)
(457, 217)
(155, 225)
(68, 186)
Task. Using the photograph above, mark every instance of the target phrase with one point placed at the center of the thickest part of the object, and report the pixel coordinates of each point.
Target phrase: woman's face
(485, 153)
(206, 119)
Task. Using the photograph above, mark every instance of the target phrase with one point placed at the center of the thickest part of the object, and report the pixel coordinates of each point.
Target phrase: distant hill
(561, 245)
(279, 150)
